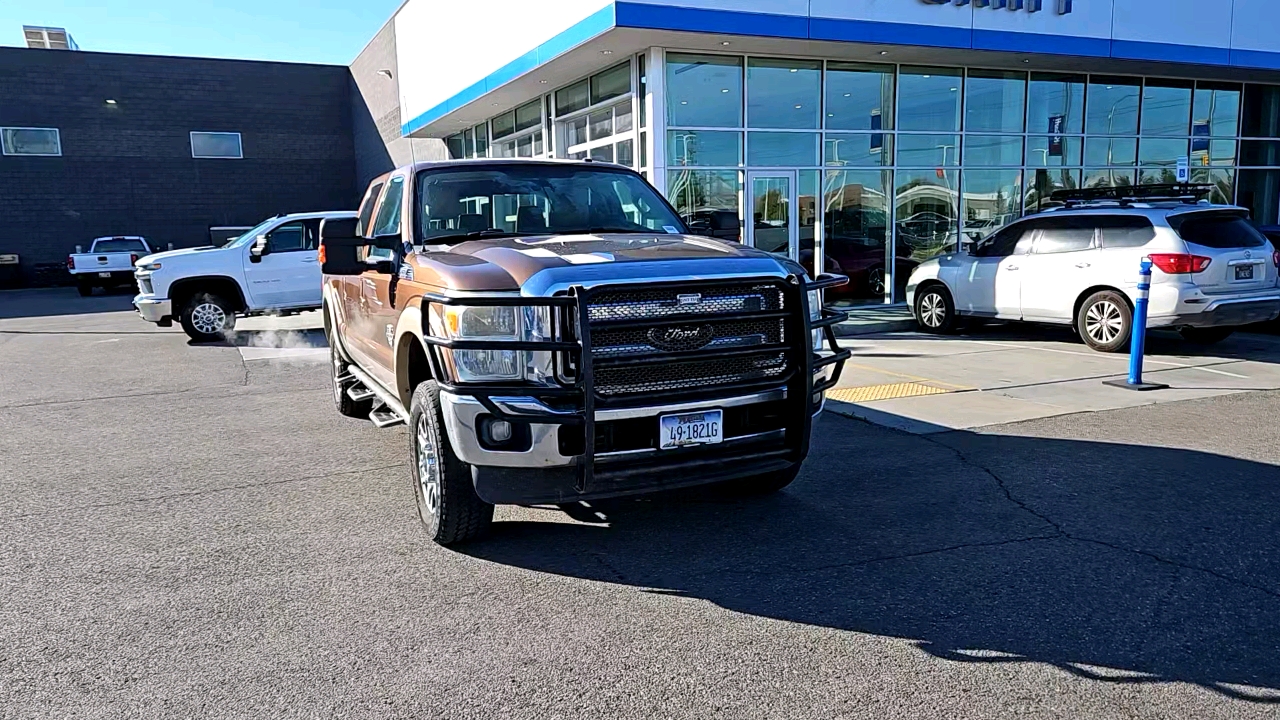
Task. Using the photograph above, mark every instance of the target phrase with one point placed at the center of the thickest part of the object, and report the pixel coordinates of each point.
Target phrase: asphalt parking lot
(192, 531)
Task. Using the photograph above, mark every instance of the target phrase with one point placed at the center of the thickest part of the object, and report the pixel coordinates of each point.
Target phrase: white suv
(1078, 265)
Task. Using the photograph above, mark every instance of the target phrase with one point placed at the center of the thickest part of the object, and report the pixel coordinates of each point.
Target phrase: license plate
(107, 275)
(700, 428)
(1244, 272)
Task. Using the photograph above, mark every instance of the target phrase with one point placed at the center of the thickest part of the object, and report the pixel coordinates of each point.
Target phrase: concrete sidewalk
(924, 383)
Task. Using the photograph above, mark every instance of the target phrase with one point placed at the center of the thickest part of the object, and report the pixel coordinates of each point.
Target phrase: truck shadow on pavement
(1119, 563)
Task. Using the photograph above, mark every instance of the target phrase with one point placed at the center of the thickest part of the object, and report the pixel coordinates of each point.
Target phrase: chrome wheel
(933, 310)
(208, 318)
(428, 467)
(1103, 322)
(875, 281)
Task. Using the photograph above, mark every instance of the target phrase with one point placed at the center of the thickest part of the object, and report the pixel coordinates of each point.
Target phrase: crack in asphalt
(42, 403)
(198, 493)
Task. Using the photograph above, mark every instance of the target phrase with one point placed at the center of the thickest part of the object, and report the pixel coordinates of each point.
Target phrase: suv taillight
(1180, 263)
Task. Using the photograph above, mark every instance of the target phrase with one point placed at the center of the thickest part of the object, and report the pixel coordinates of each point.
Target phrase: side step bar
(359, 393)
(391, 412)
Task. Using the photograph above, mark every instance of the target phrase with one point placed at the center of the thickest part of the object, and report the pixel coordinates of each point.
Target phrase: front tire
(766, 484)
(935, 311)
(207, 318)
(1205, 335)
(1105, 321)
(346, 406)
(448, 506)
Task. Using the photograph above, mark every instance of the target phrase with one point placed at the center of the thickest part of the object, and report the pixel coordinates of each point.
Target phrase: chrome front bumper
(153, 310)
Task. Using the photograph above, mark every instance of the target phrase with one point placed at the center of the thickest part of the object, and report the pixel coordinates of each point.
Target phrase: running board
(384, 418)
(359, 393)
(392, 403)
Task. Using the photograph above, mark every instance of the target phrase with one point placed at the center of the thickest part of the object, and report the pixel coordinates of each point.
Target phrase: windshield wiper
(487, 233)
(621, 231)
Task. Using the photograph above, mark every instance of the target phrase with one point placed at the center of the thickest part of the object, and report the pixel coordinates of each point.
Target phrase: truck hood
(172, 254)
(509, 263)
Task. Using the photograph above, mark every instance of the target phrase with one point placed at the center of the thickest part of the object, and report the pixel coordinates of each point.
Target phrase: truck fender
(408, 333)
(332, 306)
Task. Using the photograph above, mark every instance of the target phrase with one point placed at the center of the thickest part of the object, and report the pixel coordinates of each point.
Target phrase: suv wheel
(875, 282)
(447, 501)
(1205, 335)
(935, 311)
(207, 318)
(346, 406)
(1105, 321)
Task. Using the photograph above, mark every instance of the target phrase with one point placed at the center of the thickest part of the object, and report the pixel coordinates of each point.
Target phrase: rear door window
(1217, 230)
(1065, 234)
(1125, 231)
(366, 210)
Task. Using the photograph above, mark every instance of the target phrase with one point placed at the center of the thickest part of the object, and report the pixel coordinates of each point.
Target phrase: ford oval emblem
(683, 337)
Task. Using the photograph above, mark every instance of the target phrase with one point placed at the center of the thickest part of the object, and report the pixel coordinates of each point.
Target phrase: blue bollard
(1138, 336)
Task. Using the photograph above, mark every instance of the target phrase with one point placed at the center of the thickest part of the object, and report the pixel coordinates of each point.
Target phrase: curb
(863, 327)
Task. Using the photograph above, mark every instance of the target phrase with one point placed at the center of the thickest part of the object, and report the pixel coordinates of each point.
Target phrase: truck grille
(744, 322)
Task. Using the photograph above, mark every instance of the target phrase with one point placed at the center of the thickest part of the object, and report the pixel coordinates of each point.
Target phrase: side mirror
(259, 249)
(338, 246)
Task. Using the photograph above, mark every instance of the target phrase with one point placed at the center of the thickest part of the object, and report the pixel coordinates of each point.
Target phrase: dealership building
(856, 131)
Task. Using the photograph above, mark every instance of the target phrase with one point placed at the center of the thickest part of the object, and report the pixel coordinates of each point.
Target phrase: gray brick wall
(127, 168)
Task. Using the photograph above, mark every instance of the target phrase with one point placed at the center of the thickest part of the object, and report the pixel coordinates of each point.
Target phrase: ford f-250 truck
(108, 263)
(551, 334)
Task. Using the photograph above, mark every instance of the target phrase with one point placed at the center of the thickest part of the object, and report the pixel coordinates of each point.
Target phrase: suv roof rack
(1189, 193)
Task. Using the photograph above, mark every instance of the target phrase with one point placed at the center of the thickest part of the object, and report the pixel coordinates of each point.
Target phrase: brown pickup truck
(551, 334)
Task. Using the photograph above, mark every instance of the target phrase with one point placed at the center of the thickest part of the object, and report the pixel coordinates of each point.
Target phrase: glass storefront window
(807, 208)
(707, 201)
(456, 147)
(611, 83)
(859, 97)
(704, 90)
(528, 115)
(771, 213)
(603, 153)
(1260, 152)
(1161, 152)
(1162, 175)
(1053, 151)
(992, 199)
(993, 150)
(601, 124)
(783, 93)
(929, 99)
(704, 147)
(926, 212)
(625, 154)
(1166, 108)
(482, 140)
(1113, 105)
(644, 150)
(929, 150)
(1259, 191)
(524, 146)
(780, 149)
(855, 229)
(995, 101)
(1223, 182)
(1107, 177)
(1261, 116)
(1216, 110)
(622, 117)
(573, 98)
(1042, 183)
(575, 131)
(860, 149)
(1215, 153)
(1110, 151)
(643, 93)
(1055, 103)
(504, 125)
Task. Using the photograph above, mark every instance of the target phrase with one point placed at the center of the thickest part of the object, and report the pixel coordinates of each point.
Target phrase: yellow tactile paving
(871, 393)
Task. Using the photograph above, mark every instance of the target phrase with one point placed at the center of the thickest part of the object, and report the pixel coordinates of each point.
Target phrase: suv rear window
(1217, 230)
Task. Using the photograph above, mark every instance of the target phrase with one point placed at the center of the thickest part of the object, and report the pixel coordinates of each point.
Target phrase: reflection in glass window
(504, 125)
(861, 149)
(1108, 177)
(1166, 107)
(602, 154)
(856, 232)
(1157, 175)
(482, 140)
(203, 144)
(573, 98)
(771, 213)
(1154, 151)
(622, 121)
(1110, 151)
(601, 123)
(783, 93)
(993, 150)
(524, 146)
(1113, 105)
(529, 115)
(859, 96)
(456, 146)
(926, 212)
(1223, 182)
(704, 90)
(929, 99)
(1260, 152)
(1055, 103)
(576, 131)
(1053, 151)
(929, 150)
(611, 83)
(995, 101)
(992, 199)
(625, 154)
(707, 200)
(1259, 191)
(1042, 183)
(1261, 116)
(1218, 153)
(704, 147)
(1216, 110)
(807, 208)
(643, 91)
(770, 149)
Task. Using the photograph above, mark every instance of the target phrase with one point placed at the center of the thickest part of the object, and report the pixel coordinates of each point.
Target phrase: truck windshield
(119, 245)
(456, 203)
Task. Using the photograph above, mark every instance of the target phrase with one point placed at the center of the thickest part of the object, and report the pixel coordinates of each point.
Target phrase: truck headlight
(516, 324)
(815, 313)
(150, 267)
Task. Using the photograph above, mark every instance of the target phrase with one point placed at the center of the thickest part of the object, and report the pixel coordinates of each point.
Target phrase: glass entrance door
(773, 224)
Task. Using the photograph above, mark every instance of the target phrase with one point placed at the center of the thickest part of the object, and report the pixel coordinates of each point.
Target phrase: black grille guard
(574, 403)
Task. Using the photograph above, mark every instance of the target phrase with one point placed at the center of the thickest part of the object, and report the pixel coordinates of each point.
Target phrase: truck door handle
(1083, 265)
(1010, 267)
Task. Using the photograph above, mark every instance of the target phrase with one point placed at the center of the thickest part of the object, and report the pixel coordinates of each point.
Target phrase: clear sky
(317, 31)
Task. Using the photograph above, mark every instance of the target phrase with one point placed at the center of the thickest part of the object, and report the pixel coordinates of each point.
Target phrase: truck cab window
(388, 222)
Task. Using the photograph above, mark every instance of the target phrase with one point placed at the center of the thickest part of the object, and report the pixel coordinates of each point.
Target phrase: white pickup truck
(109, 262)
(272, 268)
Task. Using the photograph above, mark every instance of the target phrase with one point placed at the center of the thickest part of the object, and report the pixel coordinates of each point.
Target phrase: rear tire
(935, 311)
(85, 288)
(1205, 335)
(766, 484)
(346, 406)
(208, 318)
(1105, 321)
(448, 506)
